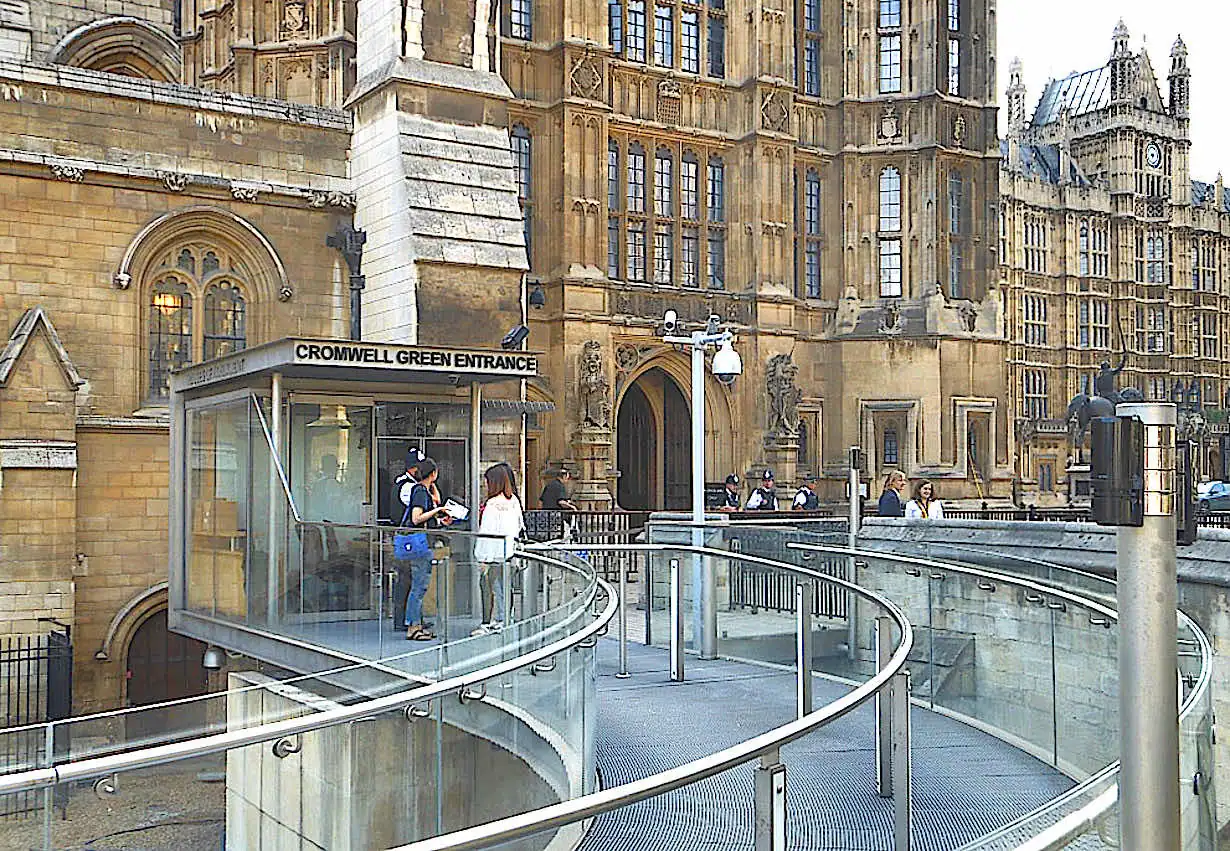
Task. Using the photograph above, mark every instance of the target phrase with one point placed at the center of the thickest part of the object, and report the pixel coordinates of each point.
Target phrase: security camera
(727, 365)
(514, 338)
(670, 322)
(214, 658)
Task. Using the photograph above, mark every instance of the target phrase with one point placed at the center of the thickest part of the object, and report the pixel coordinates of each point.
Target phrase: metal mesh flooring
(966, 783)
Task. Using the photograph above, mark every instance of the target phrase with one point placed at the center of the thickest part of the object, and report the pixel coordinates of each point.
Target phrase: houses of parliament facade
(177, 176)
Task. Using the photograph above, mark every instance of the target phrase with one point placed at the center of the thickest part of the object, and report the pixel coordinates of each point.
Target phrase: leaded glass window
(225, 330)
(170, 333)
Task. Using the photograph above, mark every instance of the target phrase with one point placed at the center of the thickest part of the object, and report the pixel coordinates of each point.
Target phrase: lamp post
(727, 365)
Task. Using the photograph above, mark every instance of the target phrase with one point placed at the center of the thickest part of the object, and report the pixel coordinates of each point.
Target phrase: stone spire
(1122, 67)
(1180, 80)
(1016, 96)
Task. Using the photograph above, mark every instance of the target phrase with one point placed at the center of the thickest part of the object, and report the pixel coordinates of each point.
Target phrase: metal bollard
(623, 619)
(771, 803)
(676, 622)
(884, 711)
(903, 815)
(804, 598)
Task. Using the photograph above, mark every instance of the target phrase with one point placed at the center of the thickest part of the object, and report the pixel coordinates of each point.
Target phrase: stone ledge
(335, 195)
(38, 455)
(173, 94)
(135, 423)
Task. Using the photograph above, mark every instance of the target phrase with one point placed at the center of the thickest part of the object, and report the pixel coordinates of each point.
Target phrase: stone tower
(434, 184)
(1180, 81)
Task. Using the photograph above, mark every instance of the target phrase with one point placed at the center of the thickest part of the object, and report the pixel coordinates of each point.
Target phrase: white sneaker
(481, 629)
(495, 626)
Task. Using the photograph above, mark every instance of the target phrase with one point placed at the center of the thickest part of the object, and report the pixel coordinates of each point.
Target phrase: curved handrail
(606, 800)
(379, 664)
(40, 778)
(1079, 821)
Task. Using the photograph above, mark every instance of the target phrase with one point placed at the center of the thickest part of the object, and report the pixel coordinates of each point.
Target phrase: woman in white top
(924, 505)
(500, 524)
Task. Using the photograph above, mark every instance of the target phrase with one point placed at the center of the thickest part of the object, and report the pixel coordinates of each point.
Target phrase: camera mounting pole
(704, 581)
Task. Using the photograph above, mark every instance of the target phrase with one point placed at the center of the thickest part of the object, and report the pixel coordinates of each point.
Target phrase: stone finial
(1121, 39)
(1016, 96)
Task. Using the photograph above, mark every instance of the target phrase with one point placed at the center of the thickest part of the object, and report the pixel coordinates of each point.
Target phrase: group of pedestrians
(501, 523)
(922, 505)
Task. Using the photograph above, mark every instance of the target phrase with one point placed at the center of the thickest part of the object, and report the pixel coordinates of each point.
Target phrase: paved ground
(966, 783)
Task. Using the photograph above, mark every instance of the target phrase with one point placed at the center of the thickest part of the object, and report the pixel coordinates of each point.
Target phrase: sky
(1056, 37)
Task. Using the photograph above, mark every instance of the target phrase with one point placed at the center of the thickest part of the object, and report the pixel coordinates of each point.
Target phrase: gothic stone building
(1111, 253)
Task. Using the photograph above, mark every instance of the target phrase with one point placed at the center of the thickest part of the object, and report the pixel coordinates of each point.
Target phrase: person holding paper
(424, 513)
(499, 525)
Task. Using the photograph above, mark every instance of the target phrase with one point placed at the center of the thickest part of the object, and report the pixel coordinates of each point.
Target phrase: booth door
(330, 477)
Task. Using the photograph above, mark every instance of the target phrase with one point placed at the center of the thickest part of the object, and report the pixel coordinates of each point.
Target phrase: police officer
(764, 498)
(806, 499)
(730, 496)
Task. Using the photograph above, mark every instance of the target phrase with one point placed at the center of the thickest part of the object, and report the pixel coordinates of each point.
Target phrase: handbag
(410, 545)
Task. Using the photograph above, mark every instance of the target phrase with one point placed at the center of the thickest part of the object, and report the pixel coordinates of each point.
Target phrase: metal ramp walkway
(966, 783)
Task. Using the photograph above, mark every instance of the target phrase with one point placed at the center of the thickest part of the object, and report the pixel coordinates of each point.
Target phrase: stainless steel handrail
(606, 800)
(41, 778)
(1079, 821)
(379, 664)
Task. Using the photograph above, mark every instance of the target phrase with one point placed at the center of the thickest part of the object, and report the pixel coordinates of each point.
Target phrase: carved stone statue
(784, 396)
(594, 389)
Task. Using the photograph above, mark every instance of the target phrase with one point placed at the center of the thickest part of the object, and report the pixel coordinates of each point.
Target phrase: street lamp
(727, 366)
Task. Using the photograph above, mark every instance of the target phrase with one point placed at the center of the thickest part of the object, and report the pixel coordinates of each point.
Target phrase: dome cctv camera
(670, 322)
(727, 365)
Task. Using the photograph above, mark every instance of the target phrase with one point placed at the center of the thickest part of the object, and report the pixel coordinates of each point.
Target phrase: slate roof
(1087, 91)
(1042, 162)
(1202, 192)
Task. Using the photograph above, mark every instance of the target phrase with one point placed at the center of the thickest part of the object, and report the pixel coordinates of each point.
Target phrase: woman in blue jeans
(424, 513)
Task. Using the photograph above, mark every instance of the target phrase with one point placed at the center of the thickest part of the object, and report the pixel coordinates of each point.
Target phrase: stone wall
(376, 783)
(99, 178)
(1204, 576)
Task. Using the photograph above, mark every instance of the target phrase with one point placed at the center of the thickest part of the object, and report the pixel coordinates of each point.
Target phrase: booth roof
(359, 361)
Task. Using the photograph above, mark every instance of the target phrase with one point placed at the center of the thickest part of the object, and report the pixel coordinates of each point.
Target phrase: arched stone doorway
(653, 444)
(161, 666)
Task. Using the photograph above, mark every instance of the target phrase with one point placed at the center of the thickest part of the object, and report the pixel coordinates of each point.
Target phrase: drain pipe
(350, 243)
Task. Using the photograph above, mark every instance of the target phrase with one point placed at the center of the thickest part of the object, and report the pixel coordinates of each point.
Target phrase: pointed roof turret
(1121, 39)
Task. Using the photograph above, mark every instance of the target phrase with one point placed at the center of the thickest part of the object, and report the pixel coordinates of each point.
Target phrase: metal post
(623, 618)
(852, 542)
(771, 803)
(902, 805)
(529, 590)
(676, 622)
(705, 590)
(804, 599)
(1147, 594)
(884, 711)
(273, 581)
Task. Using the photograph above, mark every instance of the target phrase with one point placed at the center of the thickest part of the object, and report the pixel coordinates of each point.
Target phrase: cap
(414, 457)
(732, 479)
(809, 477)
(768, 474)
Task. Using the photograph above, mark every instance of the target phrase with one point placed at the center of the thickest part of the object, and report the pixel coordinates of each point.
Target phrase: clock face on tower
(1153, 155)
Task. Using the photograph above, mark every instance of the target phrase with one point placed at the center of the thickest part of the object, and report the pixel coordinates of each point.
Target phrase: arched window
(890, 224)
(170, 333)
(197, 310)
(809, 238)
(522, 149)
(224, 320)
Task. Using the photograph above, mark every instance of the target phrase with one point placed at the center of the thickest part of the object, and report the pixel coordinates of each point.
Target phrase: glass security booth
(282, 504)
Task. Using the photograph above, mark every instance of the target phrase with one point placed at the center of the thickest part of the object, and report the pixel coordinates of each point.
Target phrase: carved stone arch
(121, 45)
(130, 616)
(265, 270)
(719, 403)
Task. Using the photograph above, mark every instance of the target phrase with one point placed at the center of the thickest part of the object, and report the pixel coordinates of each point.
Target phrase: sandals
(418, 633)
